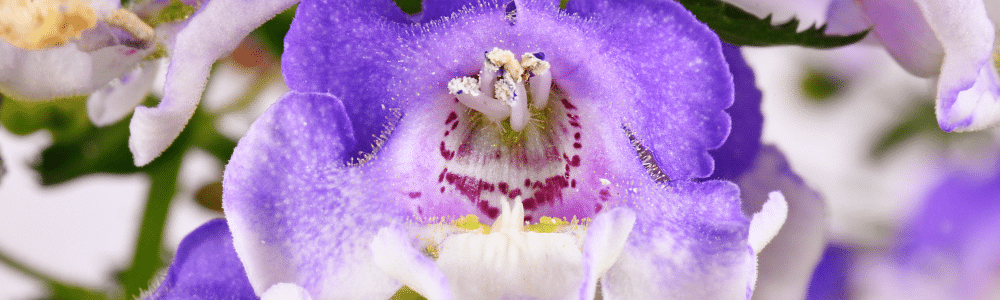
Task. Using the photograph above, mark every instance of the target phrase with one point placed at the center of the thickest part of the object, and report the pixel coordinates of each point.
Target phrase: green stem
(148, 255)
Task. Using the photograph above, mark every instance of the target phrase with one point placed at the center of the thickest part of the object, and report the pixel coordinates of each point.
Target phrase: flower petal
(345, 48)
(285, 291)
(673, 99)
(676, 74)
(62, 71)
(906, 34)
(297, 213)
(737, 155)
(606, 237)
(786, 263)
(437, 9)
(689, 242)
(968, 87)
(830, 279)
(394, 254)
(210, 34)
(118, 98)
(205, 267)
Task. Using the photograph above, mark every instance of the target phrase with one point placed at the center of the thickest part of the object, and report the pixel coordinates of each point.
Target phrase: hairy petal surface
(205, 267)
(297, 213)
(118, 98)
(689, 242)
(672, 99)
(209, 34)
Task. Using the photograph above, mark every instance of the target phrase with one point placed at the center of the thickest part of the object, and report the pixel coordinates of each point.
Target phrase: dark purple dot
(539, 55)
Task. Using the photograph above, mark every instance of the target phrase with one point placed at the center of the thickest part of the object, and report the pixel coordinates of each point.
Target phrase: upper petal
(740, 150)
(667, 82)
(205, 267)
(689, 242)
(297, 213)
(210, 33)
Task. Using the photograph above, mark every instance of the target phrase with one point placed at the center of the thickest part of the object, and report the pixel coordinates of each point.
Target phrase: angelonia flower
(946, 250)
(950, 40)
(59, 48)
(484, 150)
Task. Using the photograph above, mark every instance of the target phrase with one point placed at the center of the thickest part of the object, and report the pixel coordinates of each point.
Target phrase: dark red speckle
(447, 154)
(565, 103)
(575, 145)
(575, 161)
(576, 135)
(414, 195)
(451, 117)
(504, 188)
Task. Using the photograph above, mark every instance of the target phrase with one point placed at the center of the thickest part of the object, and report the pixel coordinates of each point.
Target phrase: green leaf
(64, 117)
(738, 27)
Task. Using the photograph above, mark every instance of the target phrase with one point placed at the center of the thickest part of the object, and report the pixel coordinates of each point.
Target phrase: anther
(500, 91)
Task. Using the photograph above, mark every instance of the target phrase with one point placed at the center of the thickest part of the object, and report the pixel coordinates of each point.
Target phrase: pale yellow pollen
(127, 20)
(507, 60)
(37, 24)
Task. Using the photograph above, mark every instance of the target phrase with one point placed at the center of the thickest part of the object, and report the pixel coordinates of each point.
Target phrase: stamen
(540, 79)
(488, 93)
(466, 90)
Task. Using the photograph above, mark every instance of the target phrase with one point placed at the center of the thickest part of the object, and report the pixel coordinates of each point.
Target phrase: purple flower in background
(951, 40)
(109, 52)
(402, 132)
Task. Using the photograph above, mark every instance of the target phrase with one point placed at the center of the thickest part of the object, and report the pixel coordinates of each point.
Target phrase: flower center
(499, 92)
(500, 141)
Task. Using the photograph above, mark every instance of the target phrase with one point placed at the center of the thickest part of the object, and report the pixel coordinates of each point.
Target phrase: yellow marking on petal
(406, 293)
(471, 223)
(547, 225)
(44, 23)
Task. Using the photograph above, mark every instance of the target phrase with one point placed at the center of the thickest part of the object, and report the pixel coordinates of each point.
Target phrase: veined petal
(118, 98)
(210, 34)
(297, 213)
(738, 153)
(205, 267)
(787, 262)
(689, 242)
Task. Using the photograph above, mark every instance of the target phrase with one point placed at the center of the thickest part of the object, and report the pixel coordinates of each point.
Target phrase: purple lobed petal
(689, 242)
(205, 267)
(297, 213)
(740, 150)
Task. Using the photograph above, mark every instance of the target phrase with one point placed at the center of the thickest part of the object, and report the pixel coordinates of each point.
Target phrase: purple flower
(402, 132)
(111, 57)
(950, 40)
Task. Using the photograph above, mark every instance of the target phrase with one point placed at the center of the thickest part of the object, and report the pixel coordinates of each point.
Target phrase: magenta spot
(575, 161)
(576, 135)
(451, 117)
(527, 218)
(441, 176)
(597, 208)
(572, 183)
(447, 154)
(485, 207)
(414, 195)
(529, 204)
(550, 191)
(605, 194)
(575, 145)
(565, 103)
(514, 193)
(527, 182)
(442, 190)
(503, 187)
(574, 124)
(451, 178)
(446, 133)
(454, 125)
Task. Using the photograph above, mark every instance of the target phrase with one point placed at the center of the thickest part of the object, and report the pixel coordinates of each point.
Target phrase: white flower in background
(59, 48)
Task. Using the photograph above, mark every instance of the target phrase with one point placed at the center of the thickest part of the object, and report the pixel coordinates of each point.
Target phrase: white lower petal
(393, 253)
(285, 291)
(118, 98)
(975, 107)
(768, 221)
